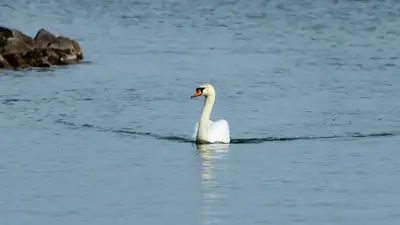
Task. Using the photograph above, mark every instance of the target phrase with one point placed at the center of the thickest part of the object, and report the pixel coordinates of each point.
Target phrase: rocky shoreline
(18, 50)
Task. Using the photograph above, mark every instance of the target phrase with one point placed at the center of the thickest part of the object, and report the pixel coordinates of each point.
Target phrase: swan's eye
(200, 89)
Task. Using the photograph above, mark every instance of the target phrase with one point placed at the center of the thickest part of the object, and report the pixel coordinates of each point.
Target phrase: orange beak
(197, 94)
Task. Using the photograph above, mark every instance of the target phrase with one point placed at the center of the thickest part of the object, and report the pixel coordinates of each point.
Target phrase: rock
(43, 38)
(52, 56)
(6, 32)
(20, 51)
(4, 63)
(20, 55)
(3, 41)
(15, 46)
(15, 60)
(78, 49)
(34, 58)
(69, 50)
(37, 58)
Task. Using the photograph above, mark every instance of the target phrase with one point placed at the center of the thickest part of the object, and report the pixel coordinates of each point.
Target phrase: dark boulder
(4, 63)
(15, 46)
(8, 33)
(20, 51)
(21, 55)
(69, 50)
(43, 38)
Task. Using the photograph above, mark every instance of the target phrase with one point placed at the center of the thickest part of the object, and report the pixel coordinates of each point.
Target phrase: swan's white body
(218, 132)
(207, 131)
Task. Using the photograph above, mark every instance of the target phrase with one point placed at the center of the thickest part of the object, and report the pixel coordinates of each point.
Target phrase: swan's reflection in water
(213, 158)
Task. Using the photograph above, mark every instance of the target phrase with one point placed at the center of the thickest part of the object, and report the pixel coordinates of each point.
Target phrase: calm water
(311, 92)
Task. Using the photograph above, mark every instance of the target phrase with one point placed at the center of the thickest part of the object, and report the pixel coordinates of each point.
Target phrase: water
(310, 91)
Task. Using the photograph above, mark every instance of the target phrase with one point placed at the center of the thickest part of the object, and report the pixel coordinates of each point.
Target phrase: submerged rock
(18, 50)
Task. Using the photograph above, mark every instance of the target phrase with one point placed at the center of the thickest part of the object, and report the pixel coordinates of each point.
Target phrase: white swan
(207, 131)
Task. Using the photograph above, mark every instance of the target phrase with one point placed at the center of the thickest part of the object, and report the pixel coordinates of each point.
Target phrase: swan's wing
(219, 132)
(196, 126)
(194, 133)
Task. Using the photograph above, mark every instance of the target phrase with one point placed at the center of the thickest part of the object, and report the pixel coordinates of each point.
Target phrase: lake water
(310, 90)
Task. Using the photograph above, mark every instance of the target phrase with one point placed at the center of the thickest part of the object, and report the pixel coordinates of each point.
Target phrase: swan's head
(204, 90)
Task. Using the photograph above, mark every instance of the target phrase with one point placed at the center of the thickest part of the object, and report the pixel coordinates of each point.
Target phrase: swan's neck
(202, 132)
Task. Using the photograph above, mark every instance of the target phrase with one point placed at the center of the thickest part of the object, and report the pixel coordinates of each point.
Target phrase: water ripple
(186, 139)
